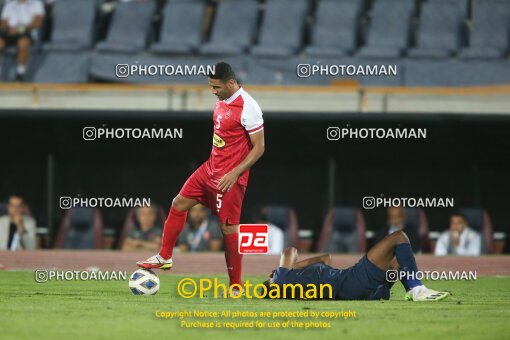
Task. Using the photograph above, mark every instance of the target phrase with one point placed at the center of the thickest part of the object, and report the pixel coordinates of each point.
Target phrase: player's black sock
(407, 266)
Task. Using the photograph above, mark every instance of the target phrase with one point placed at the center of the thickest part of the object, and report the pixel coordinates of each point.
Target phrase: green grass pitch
(93, 310)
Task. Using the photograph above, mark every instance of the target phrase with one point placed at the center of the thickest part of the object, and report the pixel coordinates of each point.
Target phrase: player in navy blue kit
(366, 280)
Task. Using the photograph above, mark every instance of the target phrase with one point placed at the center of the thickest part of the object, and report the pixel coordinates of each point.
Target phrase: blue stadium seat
(285, 218)
(73, 22)
(334, 32)
(181, 31)
(282, 28)
(63, 67)
(389, 30)
(130, 27)
(440, 31)
(224, 39)
(489, 31)
(455, 73)
(343, 231)
(81, 228)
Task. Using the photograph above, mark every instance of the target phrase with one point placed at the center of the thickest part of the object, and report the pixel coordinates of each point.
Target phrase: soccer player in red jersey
(220, 182)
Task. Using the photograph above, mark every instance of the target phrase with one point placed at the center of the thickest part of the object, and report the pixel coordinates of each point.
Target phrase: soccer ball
(144, 282)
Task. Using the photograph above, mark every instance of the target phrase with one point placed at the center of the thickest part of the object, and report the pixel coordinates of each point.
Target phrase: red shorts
(226, 205)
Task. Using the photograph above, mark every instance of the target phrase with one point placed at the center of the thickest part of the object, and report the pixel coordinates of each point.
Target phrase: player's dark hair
(223, 72)
(459, 214)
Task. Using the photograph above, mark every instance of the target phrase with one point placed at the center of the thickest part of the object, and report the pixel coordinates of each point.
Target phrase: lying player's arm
(257, 140)
(289, 259)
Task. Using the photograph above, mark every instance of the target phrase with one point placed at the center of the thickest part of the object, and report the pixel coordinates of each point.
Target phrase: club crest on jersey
(229, 112)
(218, 141)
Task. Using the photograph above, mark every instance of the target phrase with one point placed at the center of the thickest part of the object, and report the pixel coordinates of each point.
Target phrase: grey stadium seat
(389, 29)
(181, 32)
(63, 67)
(224, 39)
(282, 28)
(334, 32)
(440, 31)
(489, 31)
(456, 73)
(129, 28)
(73, 22)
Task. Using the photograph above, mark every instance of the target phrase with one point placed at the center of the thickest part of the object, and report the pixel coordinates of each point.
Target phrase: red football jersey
(234, 120)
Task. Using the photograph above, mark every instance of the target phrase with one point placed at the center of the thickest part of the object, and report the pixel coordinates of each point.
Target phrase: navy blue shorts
(363, 281)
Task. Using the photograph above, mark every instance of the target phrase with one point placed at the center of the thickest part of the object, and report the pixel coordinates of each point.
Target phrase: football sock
(233, 259)
(173, 227)
(407, 266)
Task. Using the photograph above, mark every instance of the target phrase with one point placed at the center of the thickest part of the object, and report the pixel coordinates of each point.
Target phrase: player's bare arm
(290, 255)
(257, 141)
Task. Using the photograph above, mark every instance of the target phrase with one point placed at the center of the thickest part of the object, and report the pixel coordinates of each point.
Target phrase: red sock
(173, 227)
(233, 258)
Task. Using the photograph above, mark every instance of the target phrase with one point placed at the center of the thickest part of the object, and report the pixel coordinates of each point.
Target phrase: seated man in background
(17, 230)
(200, 232)
(145, 235)
(396, 222)
(460, 239)
(276, 235)
(19, 18)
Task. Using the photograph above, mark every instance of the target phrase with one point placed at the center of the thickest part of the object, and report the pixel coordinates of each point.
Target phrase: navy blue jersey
(315, 274)
(363, 281)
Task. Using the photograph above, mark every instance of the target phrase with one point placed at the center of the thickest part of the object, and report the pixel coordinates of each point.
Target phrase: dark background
(466, 157)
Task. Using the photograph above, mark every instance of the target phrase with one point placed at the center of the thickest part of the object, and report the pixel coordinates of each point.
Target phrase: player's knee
(178, 203)
(400, 237)
(290, 251)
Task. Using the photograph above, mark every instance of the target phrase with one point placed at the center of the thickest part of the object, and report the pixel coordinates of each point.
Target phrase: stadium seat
(129, 28)
(417, 219)
(489, 36)
(244, 13)
(334, 33)
(131, 221)
(181, 31)
(73, 23)
(81, 228)
(343, 231)
(285, 218)
(282, 28)
(440, 30)
(455, 73)
(479, 220)
(63, 67)
(389, 29)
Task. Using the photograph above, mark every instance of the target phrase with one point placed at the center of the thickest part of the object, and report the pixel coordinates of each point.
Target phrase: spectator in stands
(19, 18)
(276, 235)
(17, 230)
(460, 239)
(397, 221)
(200, 232)
(145, 234)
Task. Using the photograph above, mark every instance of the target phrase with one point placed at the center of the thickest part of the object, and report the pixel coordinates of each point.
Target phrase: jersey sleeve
(251, 118)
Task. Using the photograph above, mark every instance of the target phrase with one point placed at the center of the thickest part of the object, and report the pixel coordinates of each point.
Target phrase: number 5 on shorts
(218, 202)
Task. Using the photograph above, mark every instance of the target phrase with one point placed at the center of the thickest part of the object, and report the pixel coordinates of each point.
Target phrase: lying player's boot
(155, 262)
(422, 293)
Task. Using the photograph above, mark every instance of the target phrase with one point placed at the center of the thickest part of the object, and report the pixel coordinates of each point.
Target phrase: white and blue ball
(144, 282)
